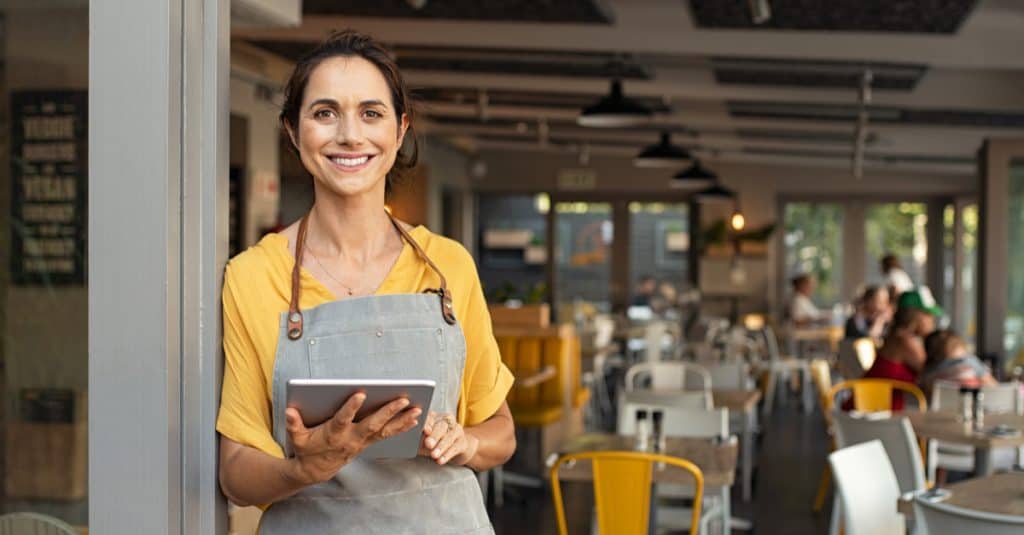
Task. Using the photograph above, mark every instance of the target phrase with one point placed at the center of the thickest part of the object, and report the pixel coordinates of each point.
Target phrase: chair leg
(824, 484)
(837, 512)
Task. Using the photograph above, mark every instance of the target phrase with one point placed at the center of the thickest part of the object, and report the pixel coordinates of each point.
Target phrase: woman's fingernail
(436, 453)
(430, 443)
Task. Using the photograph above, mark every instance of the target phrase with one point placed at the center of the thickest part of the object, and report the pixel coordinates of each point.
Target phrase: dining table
(998, 493)
(949, 427)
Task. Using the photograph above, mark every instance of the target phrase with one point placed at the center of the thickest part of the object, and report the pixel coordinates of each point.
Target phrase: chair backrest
(771, 343)
(898, 439)
(677, 421)
(667, 375)
(821, 375)
(875, 394)
(1003, 397)
(855, 357)
(34, 524)
(868, 489)
(727, 376)
(945, 519)
(622, 489)
(687, 399)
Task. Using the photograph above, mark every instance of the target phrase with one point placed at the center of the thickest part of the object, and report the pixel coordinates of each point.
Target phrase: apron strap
(295, 315)
(447, 308)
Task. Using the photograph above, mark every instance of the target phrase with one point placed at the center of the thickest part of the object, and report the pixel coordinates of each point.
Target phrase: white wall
(760, 186)
(262, 174)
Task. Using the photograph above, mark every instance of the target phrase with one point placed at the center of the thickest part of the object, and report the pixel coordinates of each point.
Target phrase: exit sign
(577, 179)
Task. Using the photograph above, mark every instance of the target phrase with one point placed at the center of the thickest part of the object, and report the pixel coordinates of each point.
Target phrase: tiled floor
(790, 459)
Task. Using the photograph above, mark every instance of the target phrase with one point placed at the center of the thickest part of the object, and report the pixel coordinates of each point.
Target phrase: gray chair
(34, 524)
(937, 518)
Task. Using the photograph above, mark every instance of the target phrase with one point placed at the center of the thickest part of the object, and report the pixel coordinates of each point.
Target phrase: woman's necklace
(347, 288)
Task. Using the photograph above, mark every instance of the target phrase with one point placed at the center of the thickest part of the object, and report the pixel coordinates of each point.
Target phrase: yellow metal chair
(875, 394)
(821, 375)
(622, 489)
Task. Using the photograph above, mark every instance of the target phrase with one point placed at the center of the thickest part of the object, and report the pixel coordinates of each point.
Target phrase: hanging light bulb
(737, 221)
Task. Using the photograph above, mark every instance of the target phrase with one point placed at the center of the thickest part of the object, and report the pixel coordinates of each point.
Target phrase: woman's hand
(445, 441)
(323, 450)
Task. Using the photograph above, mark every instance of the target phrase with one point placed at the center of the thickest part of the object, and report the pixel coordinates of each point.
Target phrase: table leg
(726, 510)
(748, 452)
(982, 461)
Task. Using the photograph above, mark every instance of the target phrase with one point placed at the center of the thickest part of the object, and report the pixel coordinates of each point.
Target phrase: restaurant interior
(699, 225)
(640, 182)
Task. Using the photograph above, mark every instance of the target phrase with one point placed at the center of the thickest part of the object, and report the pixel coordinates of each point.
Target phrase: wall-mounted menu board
(48, 187)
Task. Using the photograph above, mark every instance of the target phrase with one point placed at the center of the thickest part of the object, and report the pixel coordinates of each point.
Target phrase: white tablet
(317, 400)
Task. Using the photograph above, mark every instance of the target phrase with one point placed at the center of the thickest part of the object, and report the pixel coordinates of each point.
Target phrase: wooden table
(941, 425)
(742, 402)
(832, 334)
(717, 462)
(1000, 493)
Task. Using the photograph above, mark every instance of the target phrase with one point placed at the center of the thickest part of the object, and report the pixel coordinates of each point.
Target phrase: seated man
(902, 355)
(948, 360)
(873, 315)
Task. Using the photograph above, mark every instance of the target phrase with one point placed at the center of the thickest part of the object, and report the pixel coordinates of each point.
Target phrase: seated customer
(802, 311)
(948, 360)
(873, 315)
(902, 356)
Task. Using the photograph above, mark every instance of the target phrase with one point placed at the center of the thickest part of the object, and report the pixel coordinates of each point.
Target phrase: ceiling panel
(788, 73)
(910, 16)
(495, 61)
(574, 11)
(880, 114)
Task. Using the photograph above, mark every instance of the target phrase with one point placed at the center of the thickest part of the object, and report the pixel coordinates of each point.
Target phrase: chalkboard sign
(48, 187)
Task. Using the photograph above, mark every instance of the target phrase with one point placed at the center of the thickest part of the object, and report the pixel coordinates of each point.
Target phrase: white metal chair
(779, 368)
(666, 375)
(34, 524)
(900, 443)
(945, 519)
(868, 490)
(727, 376)
(682, 422)
(1004, 397)
(684, 399)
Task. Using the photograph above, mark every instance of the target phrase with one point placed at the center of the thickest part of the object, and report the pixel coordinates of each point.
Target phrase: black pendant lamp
(717, 193)
(662, 154)
(695, 176)
(614, 110)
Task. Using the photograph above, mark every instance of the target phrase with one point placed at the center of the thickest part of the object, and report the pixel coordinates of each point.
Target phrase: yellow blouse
(257, 290)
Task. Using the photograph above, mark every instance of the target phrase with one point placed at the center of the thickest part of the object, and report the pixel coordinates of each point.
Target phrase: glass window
(513, 247)
(44, 75)
(968, 324)
(898, 229)
(583, 244)
(1014, 337)
(814, 246)
(659, 246)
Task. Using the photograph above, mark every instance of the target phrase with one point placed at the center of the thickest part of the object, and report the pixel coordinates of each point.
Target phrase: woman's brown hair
(349, 43)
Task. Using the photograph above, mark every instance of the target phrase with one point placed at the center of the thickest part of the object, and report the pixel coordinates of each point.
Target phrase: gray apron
(402, 336)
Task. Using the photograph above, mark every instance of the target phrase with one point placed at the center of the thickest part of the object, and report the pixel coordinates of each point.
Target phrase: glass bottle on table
(642, 440)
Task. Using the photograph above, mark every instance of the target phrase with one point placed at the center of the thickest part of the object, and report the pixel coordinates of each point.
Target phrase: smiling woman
(376, 299)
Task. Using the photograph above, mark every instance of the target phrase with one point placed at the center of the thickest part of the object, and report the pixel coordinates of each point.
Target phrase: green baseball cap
(920, 298)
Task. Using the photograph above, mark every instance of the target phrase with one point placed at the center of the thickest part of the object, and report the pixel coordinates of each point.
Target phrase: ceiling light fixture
(662, 154)
(614, 110)
(694, 176)
(715, 194)
(737, 221)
